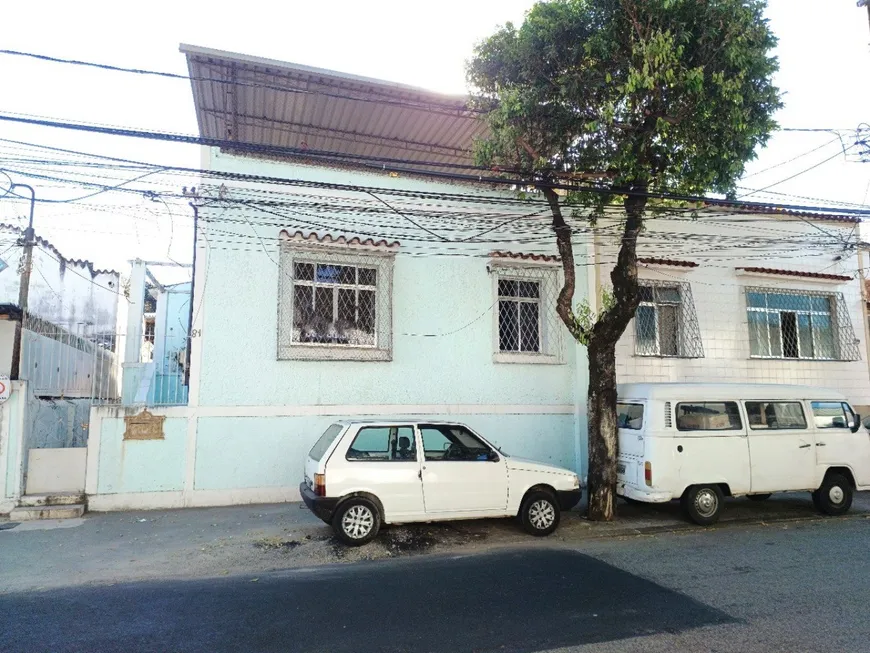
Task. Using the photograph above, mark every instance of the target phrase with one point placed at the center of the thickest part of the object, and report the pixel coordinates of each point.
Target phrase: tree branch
(566, 254)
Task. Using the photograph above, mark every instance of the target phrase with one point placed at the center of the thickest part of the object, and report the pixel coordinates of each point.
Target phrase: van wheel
(539, 513)
(356, 522)
(835, 495)
(703, 504)
(758, 497)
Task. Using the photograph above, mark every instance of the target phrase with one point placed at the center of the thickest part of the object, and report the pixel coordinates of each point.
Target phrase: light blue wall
(141, 465)
(431, 295)
(249, 452)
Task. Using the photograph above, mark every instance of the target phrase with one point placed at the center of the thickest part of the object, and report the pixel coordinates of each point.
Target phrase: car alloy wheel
(357, 522)
(542, 514)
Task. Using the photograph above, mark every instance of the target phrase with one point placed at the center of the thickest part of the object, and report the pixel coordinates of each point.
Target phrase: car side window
(763, 415)
(629, 416)
(383, 443)
(830, 415)
(452, 442)
(708, 416)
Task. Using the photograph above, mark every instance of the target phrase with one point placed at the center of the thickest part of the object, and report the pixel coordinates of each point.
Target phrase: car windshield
(325, 440)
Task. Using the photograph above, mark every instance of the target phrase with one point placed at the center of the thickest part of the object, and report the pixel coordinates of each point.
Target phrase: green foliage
(667, 93)
(584, 318)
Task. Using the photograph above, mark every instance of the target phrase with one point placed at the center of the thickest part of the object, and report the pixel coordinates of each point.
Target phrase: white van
(702, 442)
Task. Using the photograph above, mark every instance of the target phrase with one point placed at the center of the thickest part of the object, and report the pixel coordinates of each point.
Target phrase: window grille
(665, 321)
(800, 325)
(526, 322)
(335, 303)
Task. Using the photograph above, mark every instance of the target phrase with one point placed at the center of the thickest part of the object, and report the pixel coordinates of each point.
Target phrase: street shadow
(520, 602)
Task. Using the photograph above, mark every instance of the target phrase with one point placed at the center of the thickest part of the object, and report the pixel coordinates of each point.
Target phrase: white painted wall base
(194, 499)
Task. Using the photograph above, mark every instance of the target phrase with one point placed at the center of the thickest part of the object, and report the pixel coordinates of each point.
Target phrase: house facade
(746, 294)
(326, 290)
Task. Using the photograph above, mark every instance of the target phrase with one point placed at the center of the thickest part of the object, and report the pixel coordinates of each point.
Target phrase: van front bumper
(650, 496)
(322, 507)
(568, 498)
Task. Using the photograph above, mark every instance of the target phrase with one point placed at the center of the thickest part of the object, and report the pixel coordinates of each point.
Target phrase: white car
(362, 474)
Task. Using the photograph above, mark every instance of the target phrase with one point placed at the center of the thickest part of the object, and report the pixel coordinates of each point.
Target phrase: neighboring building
(743, 294)
(330, 303)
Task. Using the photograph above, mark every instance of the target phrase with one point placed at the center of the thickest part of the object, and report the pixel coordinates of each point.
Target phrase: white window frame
(831, 315)
(550, 349)
(332, 254)
(658, 336)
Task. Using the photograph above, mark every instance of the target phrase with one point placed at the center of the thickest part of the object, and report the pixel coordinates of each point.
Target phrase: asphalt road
(779, 588)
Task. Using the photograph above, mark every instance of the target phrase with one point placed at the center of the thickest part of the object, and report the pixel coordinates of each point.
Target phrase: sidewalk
(193, 543)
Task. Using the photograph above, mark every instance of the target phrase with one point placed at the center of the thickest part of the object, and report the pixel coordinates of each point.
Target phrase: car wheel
(835, 495)
(703, 504)
(758, 497)
(539, 513)
(356, 522)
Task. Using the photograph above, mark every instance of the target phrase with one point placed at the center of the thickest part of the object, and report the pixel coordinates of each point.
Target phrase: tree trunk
(603, 432)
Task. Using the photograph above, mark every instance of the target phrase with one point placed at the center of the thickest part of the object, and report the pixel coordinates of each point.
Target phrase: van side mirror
(855, 423)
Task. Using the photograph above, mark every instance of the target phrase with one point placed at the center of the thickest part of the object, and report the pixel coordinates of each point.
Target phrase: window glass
(325, 440)
(629, 416)
(382, 443)
(519, 306)
(658, 321)
(775, 415)
(708, 416)
(829, 415)
(452, 442)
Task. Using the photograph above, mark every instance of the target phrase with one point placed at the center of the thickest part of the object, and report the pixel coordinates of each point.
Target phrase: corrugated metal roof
(262, 101)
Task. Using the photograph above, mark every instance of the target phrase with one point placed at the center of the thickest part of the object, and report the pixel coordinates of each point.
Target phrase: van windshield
(325, 440)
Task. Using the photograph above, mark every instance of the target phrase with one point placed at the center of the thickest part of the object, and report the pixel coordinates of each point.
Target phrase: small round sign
(5, 388)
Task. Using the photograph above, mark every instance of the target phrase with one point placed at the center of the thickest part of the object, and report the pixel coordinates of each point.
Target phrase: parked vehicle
(702, 442)
(360, 475)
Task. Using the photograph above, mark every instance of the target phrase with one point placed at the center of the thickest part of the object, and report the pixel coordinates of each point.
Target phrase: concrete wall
(719, 246)
(251, 417)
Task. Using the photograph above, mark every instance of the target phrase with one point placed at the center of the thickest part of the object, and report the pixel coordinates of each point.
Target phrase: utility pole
(24, 283)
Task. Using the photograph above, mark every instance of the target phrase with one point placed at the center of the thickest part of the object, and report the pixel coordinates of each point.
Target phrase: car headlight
(576, 481)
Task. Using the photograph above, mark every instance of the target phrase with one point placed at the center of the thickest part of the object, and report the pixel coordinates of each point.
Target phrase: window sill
(339, 353)
(524, 358)
(685, 358)
(801, 360)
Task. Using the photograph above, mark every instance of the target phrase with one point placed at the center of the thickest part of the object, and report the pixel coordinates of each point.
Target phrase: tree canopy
(672, 92)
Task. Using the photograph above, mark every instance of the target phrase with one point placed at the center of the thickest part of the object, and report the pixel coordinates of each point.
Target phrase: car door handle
(805, 446)
(420, 474)
(820, 444)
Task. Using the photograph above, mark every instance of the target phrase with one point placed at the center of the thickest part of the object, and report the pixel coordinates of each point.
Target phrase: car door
(383, 460)
(781, 455)
(836, 444)
(461, 473)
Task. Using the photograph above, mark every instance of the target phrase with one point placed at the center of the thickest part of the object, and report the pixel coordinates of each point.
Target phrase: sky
(823, 51)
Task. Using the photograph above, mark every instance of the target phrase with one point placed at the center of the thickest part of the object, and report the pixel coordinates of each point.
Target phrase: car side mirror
(492, 457)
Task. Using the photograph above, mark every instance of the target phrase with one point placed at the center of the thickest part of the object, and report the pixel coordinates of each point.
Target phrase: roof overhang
(262, 101)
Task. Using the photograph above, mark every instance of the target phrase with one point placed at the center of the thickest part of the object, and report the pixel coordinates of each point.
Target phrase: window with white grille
(799, 324)
(335, 303)
(527, 327)
(665, 322)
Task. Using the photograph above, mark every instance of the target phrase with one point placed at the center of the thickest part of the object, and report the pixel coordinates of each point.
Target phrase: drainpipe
(192, 288)
(24, 284)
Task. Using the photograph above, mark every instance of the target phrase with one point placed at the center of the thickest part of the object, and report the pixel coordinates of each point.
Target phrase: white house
(746, 293)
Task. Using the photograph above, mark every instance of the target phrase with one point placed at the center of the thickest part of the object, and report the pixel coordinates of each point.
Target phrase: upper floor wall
(746, 298)
(313, 295)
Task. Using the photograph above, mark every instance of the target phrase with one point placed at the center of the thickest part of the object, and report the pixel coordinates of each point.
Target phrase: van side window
(764, 415)
(382, 443)
(629, 416)
(830, 415)
(708, 416)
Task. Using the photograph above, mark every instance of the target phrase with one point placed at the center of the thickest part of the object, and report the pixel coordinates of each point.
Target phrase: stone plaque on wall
(144, 426)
